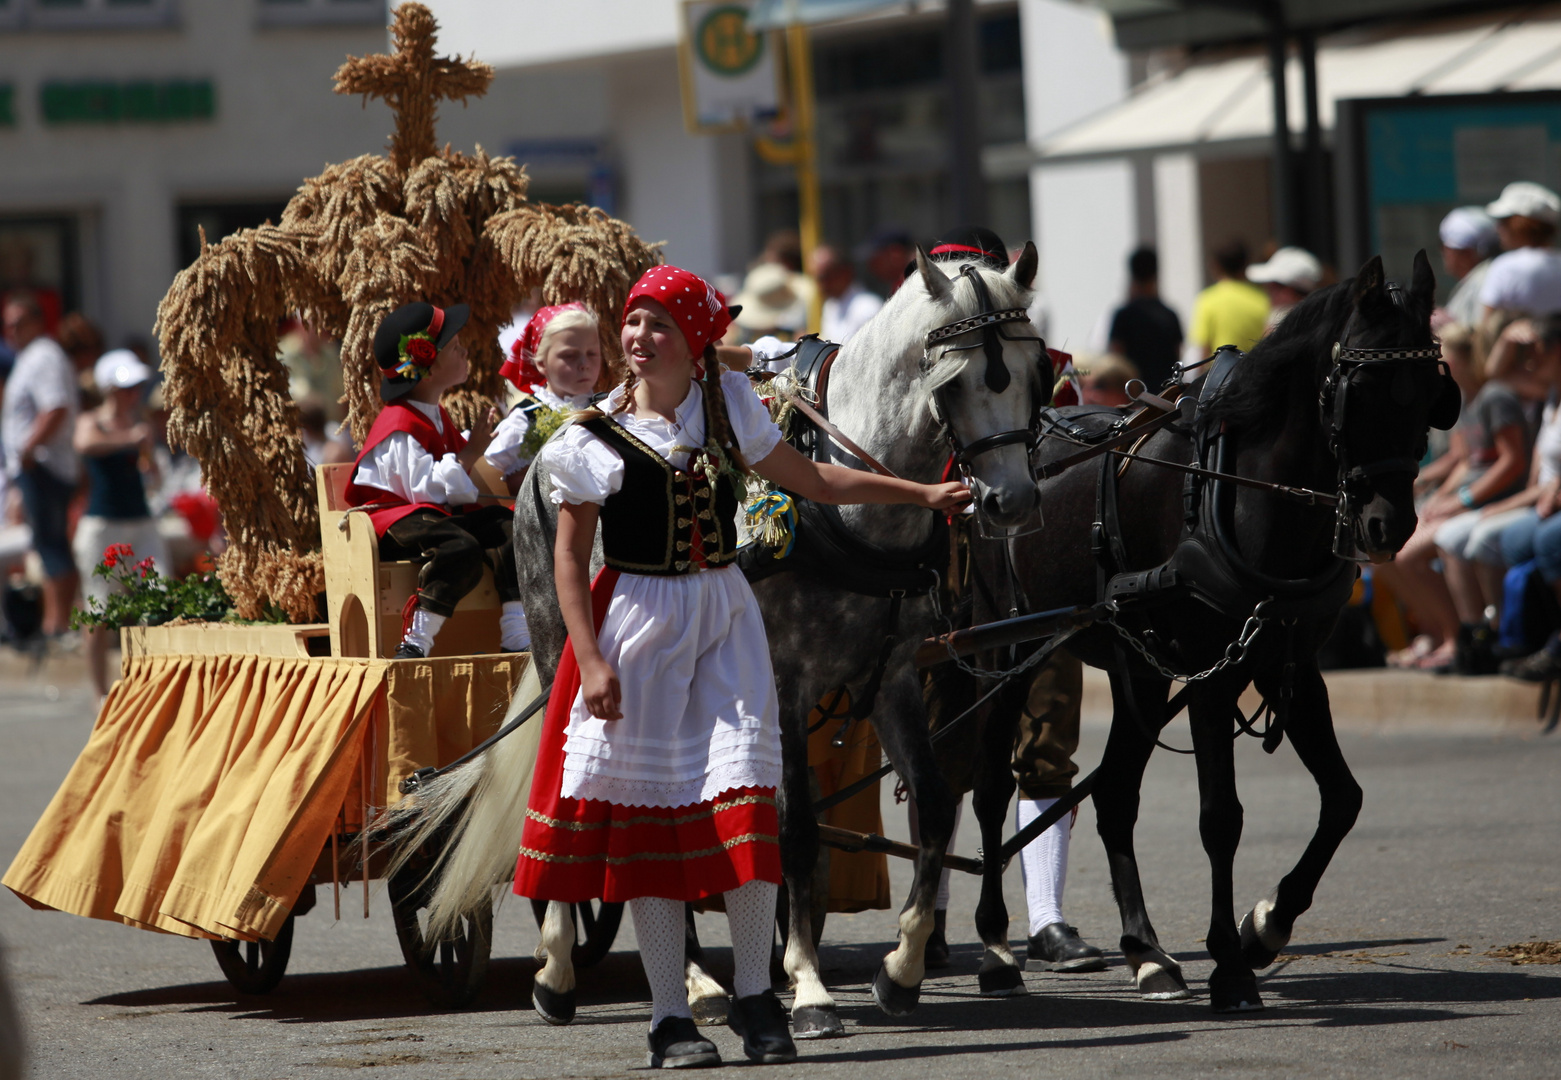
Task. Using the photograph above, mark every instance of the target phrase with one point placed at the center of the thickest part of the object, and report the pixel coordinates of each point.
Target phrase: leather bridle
(1357, 480)
(989, 321)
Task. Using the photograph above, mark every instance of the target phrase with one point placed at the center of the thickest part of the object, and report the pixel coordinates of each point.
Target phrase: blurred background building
(127, 124)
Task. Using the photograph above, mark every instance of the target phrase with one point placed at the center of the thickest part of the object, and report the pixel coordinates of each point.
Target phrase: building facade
(131, 126)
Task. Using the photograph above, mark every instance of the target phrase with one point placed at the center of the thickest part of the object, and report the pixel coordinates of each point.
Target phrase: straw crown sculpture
(355, 242)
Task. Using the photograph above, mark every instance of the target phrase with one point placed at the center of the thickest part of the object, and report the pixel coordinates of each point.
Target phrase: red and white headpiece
(521, 366)
(695, 305)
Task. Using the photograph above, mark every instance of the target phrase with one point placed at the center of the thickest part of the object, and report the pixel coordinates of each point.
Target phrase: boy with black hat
(412, 475)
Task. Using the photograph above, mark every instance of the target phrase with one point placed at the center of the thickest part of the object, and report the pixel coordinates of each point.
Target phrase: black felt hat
(440, 324)
(972, 241)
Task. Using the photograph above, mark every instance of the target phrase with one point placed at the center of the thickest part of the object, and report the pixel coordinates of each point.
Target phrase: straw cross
(411, 81)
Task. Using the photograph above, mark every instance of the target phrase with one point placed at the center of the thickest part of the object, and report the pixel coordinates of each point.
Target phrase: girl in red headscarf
(554, 364)
(656, 777)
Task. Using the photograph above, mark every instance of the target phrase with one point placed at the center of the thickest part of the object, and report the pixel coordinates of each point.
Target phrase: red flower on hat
(422, 350)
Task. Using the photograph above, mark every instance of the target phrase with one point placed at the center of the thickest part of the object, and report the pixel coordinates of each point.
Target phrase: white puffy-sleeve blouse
(585, 469)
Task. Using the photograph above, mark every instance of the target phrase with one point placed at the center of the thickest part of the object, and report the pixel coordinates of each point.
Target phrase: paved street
(1454, 854)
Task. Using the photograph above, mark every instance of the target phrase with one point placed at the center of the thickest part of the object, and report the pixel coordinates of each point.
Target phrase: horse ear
(939, 287)
(1023, 270)
(1422, 283)
(1369, 280)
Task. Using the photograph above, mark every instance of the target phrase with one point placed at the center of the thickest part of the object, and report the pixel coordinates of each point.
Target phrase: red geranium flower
(145, 567)
(115, 552)
(422, 350)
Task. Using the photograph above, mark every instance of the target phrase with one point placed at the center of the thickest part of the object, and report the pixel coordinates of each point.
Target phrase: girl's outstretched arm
(571, 574)
(837, 485)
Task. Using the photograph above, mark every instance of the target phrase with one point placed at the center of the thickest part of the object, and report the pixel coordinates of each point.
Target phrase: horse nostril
(1377, 531)
(992, 502)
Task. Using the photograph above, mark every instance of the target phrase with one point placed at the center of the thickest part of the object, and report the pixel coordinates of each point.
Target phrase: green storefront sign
(138, 102)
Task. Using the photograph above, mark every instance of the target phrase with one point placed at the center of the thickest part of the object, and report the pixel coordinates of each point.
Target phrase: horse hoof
(710, 1010)
(1254, 950)
(892, 998)
(551, 1005)
(816, 1022)
(1005, 980)
(1234, 994)
(1157, 983)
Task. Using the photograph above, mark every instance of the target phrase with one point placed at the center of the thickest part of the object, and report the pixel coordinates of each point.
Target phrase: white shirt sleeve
(402, 467)
(756, 433)
(504, 452)
(771, 353)
(584, 469)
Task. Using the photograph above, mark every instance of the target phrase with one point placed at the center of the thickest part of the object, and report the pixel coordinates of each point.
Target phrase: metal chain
(1235, 652)
(980, 673)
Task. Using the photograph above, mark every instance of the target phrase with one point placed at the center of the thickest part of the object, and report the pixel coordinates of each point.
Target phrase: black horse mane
(1259, 389)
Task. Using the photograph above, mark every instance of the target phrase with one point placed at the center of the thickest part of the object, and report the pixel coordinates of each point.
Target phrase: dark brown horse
(1338, 398)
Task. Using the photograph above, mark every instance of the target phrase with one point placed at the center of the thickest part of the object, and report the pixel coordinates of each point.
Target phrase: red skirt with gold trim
(583, 849)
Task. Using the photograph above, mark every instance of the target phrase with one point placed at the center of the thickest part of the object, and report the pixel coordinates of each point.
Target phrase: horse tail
(475, 815)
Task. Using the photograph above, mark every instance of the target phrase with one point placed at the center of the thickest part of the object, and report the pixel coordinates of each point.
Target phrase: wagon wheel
(450, 972)
(596, 925)
(255, 967)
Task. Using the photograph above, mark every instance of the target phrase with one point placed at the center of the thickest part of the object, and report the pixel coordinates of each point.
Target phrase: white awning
(1230, 100)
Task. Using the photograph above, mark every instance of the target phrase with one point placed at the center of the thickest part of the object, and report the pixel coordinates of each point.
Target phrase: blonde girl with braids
(655, 782)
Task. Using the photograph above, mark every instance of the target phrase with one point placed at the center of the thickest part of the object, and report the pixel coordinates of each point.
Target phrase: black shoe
(766, 1030)
(937, 954)
(1060, 948)
(1538, 668)
(1475, 653)
(676, 1044)
(407, 651)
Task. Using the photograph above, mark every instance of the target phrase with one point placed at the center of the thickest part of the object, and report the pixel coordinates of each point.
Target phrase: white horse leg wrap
(1044, 864)
(750, 913)
(658, 924)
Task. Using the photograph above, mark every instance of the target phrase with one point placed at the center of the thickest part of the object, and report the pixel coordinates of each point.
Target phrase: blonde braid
(595, 411)
(715, 408)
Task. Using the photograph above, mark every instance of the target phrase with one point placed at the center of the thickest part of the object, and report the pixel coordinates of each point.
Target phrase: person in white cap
(115, 444)
(1526, 277)
(1288, 276)
(1469, 242)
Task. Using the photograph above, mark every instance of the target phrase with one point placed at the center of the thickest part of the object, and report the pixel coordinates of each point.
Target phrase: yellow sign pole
(809, 215)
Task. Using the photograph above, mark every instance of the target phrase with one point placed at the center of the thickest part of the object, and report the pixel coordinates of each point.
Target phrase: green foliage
(544, 421)
(146, 598)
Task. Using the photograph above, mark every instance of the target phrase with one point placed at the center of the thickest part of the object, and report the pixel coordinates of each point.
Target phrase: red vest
(401, 416)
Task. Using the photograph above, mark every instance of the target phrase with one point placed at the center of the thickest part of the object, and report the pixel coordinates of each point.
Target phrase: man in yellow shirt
(1232, 311)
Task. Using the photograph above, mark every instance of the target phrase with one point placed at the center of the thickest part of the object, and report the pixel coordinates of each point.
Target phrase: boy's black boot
(766, 1029)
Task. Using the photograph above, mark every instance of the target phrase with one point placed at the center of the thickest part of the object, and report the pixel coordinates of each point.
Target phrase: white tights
(659, 926)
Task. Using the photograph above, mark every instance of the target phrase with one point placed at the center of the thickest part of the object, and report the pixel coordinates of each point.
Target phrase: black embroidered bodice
(664, 520)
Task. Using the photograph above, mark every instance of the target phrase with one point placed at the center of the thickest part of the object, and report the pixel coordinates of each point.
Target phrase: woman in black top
(115, 443)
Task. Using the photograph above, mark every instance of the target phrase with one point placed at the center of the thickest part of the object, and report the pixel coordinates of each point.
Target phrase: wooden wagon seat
(210, 784)
(365, 597)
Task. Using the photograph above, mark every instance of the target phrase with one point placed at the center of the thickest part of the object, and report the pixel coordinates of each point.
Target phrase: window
(322, 12)
(220, 219)
(85, 14)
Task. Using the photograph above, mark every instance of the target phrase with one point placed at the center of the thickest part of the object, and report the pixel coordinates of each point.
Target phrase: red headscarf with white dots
(694, 304)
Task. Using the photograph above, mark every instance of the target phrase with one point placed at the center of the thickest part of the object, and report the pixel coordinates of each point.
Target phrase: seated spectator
(1469, 242)
(1490, 451)
(1471, 543)
(1144, 330)
(1288, 276)
(1526, 277)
